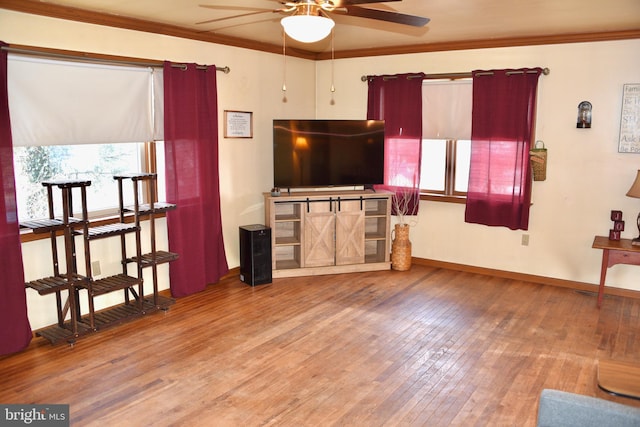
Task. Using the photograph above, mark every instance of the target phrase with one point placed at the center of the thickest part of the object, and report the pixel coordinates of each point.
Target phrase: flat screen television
(328, 153)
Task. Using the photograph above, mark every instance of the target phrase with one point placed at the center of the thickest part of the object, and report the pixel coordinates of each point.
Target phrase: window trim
(27, 235)
(442, 198)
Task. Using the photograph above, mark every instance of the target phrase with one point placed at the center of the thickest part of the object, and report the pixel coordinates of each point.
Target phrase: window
(95, 162)
(446, 143)
(445, 167)
(79, 120)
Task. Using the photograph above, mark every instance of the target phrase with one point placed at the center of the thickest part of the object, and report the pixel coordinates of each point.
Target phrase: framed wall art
(238, 124)
(629, 141)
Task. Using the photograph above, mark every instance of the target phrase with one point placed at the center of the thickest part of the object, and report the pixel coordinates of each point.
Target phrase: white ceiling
(451, 20)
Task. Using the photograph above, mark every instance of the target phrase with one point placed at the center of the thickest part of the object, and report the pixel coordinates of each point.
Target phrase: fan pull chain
(284, 67)
(333, 88)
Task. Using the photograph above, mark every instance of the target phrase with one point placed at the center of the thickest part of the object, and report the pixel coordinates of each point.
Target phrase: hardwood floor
(426, 347)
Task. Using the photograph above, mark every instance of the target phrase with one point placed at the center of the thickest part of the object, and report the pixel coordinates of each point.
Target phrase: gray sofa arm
(563, 409)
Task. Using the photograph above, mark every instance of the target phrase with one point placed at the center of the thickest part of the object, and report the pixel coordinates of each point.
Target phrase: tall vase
(401, 248)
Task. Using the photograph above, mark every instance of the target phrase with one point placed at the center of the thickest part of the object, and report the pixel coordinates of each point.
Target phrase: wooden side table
(614, 252)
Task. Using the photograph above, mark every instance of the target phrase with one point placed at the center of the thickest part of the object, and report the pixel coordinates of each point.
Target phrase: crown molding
(80, 15)
(484, 44)
(89, 17)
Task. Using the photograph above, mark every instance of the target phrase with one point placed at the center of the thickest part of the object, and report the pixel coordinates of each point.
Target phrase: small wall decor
(629, 141)
(584, 115)
(238, 124)
(618, 225)
(538, 157)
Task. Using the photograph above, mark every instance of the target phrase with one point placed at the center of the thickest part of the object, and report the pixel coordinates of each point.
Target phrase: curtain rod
(83, 57)
(453, 76)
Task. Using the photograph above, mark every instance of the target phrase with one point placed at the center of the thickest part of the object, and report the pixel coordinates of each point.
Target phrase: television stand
(329, 232)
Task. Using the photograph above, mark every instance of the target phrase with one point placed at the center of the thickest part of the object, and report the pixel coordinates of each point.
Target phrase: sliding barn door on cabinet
(319, 226)
(349, 232)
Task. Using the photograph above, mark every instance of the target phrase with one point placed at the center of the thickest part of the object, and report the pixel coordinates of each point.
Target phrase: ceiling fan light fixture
(307, 25)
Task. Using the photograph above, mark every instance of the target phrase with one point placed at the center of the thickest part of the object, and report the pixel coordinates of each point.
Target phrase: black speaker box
(255, 254)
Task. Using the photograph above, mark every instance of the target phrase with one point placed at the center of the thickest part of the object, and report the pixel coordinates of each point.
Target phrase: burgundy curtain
(397, 100)
(15, 331)
(499, 192)
(191, 151)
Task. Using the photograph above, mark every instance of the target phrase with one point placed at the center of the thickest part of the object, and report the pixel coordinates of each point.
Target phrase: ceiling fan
(309, 21)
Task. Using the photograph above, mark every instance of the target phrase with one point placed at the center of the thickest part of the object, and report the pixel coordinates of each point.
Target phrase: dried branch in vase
(405, 204)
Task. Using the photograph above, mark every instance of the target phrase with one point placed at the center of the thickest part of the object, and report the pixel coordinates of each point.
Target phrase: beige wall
(254, 84)
(586, 175)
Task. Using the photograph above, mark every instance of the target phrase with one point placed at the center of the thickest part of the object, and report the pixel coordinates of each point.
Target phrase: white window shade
(54, 102)
(446, 109)
(158, 104)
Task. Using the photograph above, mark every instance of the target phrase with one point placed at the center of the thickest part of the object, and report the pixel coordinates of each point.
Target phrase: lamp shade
(634, 191)
(307, 28)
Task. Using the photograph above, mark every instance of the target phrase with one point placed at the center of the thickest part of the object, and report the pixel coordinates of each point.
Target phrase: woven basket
(538, 156)
(401, 248)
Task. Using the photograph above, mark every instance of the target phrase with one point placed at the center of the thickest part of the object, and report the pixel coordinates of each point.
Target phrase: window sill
(27, 235)
(443, 198)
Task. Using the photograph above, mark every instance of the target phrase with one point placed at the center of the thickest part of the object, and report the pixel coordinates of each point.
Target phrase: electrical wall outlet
(525, 240)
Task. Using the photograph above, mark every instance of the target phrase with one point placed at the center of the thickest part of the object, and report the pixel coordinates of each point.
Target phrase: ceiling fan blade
(211, 6)
(343, 3)
(214, 30)
(383, 15)
(257, 12)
